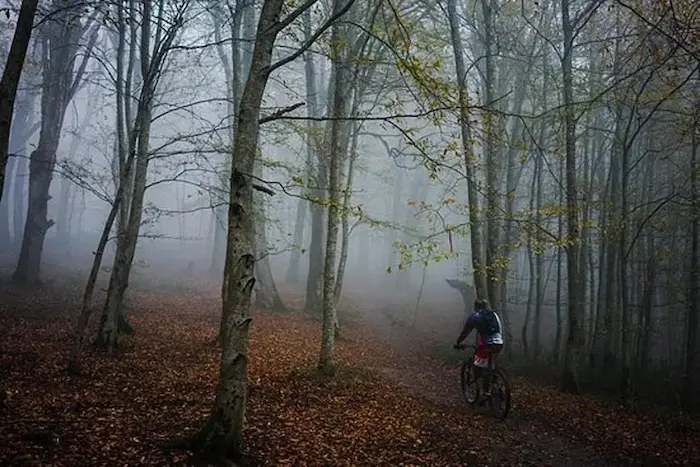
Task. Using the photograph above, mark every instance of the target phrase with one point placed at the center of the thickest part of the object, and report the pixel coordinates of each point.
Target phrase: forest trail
(388, 406)
(551, 428)
(524, 438)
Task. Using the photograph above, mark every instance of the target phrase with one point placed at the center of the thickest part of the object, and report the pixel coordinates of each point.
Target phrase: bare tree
(475, 222)
(222, 436)
(151, 59)
(60, 41)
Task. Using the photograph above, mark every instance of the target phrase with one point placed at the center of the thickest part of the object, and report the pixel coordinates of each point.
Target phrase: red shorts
(483, 351)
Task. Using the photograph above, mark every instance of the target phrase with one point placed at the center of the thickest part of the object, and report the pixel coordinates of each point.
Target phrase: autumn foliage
(387, 406)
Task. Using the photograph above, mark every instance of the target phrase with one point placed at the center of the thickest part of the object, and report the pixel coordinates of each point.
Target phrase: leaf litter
(385, 407)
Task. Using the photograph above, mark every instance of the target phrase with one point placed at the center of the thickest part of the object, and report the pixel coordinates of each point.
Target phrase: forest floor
(388, 406)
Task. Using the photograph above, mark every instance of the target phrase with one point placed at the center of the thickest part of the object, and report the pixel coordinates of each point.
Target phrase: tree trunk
(84, 318)
(575, 306)
(292, 275)
(266, 295)
(318, 180)
(223, 433)
(347, 195)
(478, 266)
(12, 206)
(493, 163)
(20, 193)
(62, 223)
(233, 65)
(690, 376)
(5, 206)
(126, 241)
(540, 282)
(60, 43)
(112, 319)
(10, 79)
(338, 151)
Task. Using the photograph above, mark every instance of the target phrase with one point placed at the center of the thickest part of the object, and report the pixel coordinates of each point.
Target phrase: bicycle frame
(489, 372)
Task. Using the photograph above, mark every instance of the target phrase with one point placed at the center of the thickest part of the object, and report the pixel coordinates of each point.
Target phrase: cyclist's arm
(466, 330)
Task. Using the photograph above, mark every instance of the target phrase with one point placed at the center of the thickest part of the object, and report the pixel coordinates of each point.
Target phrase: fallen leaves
(385, 407)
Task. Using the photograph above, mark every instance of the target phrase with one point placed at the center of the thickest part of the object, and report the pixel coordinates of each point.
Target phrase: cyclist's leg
(481, 362)
(493, 351)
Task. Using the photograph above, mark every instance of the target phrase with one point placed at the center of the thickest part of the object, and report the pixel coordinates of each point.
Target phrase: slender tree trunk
(112, 319)
(10, 79)
(223, 433)
(317, 180)
(266, 295)
(492, 153)
(5, 206)
(12, 205)
(126, 245)
(623, 279)
(84, 318)
(292, 275)
(20, 193)
(557, 303)
(575, 307)
(532, 268)
(540, 282)
(690, 364)
(345, 223)
(338, 150)
(478, 265)
(235, 67)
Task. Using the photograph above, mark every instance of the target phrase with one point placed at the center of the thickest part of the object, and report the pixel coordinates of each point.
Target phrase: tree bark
(690, 364)
(292, 276)
(318, 180)
(569, 381)
(112, 319)
(338, 150)
(480, 278)
(345, 223)
(222, 435)
(10, 79)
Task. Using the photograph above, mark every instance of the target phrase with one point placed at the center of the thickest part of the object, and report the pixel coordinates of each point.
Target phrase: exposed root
(204, 450)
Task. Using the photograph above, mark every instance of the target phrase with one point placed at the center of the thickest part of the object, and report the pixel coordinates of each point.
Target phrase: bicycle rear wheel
(470, 390)
(499, 393)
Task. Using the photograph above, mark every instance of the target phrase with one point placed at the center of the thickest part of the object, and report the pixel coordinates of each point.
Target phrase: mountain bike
(495, 383)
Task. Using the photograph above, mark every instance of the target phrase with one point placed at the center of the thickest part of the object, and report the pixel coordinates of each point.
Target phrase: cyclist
(488, 325)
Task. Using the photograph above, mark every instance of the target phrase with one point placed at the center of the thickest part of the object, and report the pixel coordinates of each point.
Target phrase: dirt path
(541, 439)
(537, 434)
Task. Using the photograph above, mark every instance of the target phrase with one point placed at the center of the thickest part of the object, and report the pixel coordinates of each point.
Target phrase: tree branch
(313, 38)
(263, 189)
(292, 16)
(278, 114)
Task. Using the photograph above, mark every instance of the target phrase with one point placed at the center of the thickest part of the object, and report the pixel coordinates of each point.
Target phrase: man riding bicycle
(488, 325)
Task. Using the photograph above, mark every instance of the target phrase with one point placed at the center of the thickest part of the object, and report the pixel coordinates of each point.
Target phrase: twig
(281, 112)
(264, 189)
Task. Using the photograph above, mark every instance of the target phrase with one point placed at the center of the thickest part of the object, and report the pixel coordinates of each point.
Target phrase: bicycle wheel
(470, 390)
(499, 393)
